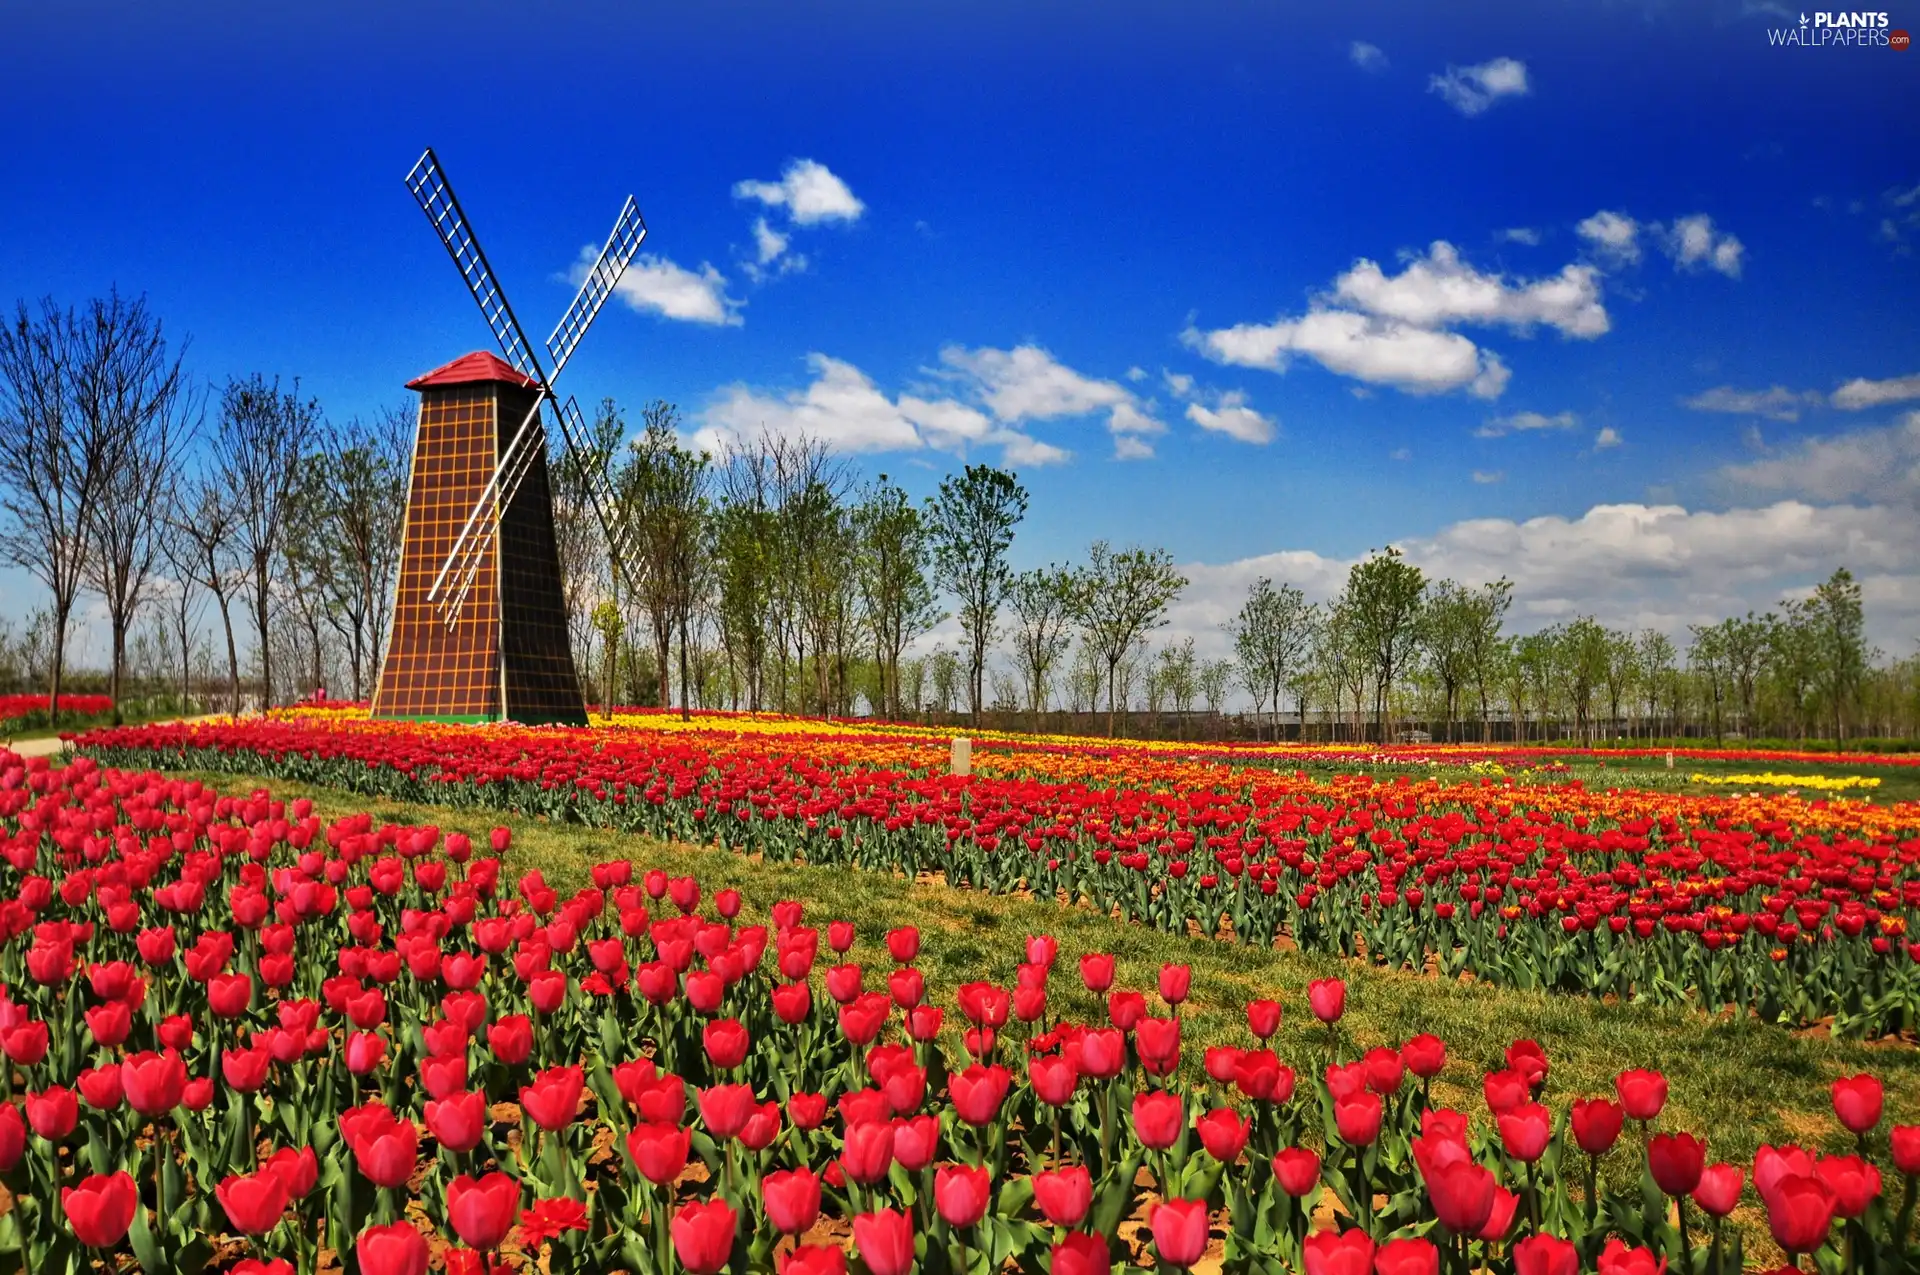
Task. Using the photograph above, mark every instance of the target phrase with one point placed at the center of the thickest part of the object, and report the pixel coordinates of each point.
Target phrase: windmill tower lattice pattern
(504, 655)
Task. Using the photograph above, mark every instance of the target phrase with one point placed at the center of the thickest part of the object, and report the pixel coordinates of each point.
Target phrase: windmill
(480, 626)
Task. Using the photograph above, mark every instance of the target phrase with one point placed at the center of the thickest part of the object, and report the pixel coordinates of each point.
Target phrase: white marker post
(962, 757)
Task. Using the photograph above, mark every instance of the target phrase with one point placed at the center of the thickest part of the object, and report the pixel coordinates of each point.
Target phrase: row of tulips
(1796, 911)
(235, 1034)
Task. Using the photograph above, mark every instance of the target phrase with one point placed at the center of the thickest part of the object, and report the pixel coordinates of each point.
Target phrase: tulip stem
(1686, 1244)
(1593, 1190)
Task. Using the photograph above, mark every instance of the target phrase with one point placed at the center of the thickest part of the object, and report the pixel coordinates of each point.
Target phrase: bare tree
(127, 379)
(261, 442)
(204, 515)
(53, 458)
(181, 552)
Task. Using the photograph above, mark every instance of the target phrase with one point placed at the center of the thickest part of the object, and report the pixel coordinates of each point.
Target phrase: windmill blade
(629, 231)
(619, 534)
(434, 193)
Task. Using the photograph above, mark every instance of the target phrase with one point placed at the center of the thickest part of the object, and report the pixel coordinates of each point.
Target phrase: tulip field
(1790, 906)
(242, 1035)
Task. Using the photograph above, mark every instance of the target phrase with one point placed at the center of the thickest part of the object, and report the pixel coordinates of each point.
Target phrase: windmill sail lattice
(480, 624)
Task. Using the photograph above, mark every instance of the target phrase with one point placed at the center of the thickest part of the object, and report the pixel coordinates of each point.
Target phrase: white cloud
(1179, 383)
(1136, 374)
(1367, 57)
(1400, 453)
(1860, 392)
(1380, 351)
(657, 285)
(1777, 403)
(1395, 329)
(1519, 234)
(1615, 236)
(808, 190)
(995, 393)
(1489, 476)
(769, 242)
(1027, 383)
(1873, 464)
(1526, 422)
(1231, 416)
(1440, 290)
(1608, 437)
(1472, 89)
(1693, 242)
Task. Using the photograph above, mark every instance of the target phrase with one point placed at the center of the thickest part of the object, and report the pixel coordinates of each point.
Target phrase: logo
(1846, 29)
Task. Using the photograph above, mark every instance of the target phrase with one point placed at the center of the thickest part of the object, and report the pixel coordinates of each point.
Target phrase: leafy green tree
(661, 491)
(1042, 601)
(1384, 593)
(1124, 596)
(893, 555)
(1838, 621)
(972, 521)
(1270, 639)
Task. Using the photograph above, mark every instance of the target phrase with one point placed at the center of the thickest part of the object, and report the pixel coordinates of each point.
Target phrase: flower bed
(23, 712)
(1792, 909)
(234, 1031)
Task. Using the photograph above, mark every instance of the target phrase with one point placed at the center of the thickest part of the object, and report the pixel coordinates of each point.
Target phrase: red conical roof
(478, 368)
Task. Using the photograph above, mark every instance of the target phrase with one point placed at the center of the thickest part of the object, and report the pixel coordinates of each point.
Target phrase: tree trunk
(117, 627)
(684, 714)
(266, 649)
(60, 617)
(233, 656)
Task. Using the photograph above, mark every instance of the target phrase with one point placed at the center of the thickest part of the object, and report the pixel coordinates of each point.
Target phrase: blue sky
(1071, 235)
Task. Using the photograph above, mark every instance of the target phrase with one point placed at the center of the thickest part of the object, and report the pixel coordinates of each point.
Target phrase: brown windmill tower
(479, 619)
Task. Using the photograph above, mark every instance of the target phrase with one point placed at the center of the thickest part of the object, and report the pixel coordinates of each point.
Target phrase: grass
(1740, 1082)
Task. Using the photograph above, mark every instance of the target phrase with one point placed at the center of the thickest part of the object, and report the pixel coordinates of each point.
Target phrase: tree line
(238, 537)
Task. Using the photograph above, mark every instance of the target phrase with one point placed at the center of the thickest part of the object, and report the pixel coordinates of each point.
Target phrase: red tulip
(659, 1151)
(978, 1092)
(482, 1211)
(1500, 1217)
(866, 1152)
(1411, 1256)
(1619, 1258)
(1338, 1253)
(1100, 1053)
(100, 1208)
(1719, 1190)
(1424, 1056)
(1064, 1195)
(1853, 1182)
(458, 1120)
(726, 1042)
(1505, 1090)
(53, 1112)
(1642, 1093)
(1327, 997)
(1526, 1130)
(1857, 1101)
(1224, 1133)
(1096, 971)
(807, 1111)
(1297, 1170)
(1357, 1117)
(109, 1023)
(13, 1137)
(1545, 1254)
(255, 1203)
(396, 1249)
(792, 1199)
(961, 1194)
(1082, 1254)
(814, 1259)
(1053, 1078)
(154, 1083)
(1175, 983)
(1384, 1071)
(1596, 1124)
(1799, 1212)
(916, 1141)
(903, 944)
(1676, 1161)
(1263, 1018)
(1906, 1149)
(1180, 1231)
(25, 1043)
(1462, 1195)
(100, 1087)
(362, 1055)
(793, 1002)
(510, 1037)
(1158, 1043)
(384, 1147)
(298, 1169)
(885, 1241)
(553, 1099)
(1158, 1118)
